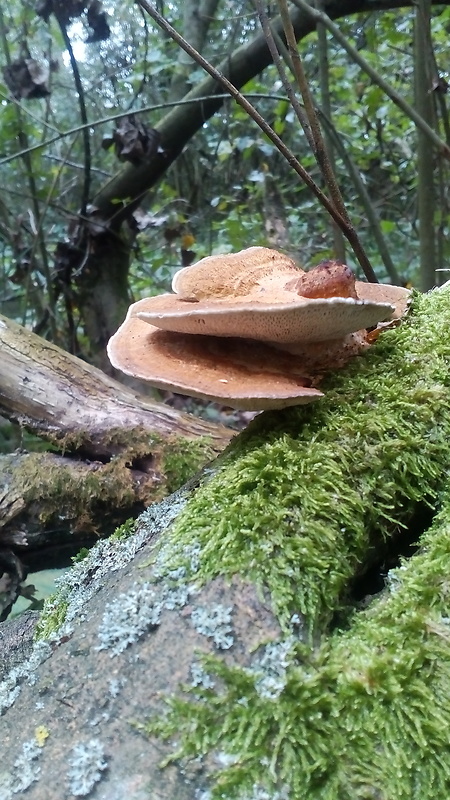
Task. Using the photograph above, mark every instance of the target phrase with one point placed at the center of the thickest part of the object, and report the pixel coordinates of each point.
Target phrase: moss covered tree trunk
(234, 646)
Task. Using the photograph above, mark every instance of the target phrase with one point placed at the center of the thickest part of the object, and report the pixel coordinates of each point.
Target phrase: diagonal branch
(83, 112)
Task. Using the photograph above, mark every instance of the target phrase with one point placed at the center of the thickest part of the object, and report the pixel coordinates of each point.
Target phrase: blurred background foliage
(229, 188)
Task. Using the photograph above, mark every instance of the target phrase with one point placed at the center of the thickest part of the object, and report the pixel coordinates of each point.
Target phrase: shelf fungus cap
(251, 330)
(234, 274)
(260, 294)
(240, 373)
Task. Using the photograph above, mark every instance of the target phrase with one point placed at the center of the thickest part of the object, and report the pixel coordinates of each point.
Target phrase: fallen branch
(118, 452)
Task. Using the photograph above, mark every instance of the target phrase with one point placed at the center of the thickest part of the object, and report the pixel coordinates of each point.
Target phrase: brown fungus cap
(233, 274)
(269, 318)
(286, 340)
(243, 374)
(260, 294)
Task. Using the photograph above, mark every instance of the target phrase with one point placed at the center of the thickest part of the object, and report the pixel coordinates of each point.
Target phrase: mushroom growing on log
(252, 330)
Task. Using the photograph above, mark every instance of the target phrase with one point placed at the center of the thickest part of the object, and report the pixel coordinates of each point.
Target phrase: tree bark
(78, 408)
(426, 156)
(232, 645)
(198, 16)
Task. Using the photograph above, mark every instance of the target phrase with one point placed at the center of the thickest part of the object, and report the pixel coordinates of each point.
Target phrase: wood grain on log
(65, 400)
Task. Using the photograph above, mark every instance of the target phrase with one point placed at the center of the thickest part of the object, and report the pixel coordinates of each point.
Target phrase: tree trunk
(426, 156)
(236, 645)
(198, 15)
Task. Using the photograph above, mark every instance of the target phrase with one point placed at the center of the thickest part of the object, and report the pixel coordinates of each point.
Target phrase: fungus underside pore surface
(297, 504)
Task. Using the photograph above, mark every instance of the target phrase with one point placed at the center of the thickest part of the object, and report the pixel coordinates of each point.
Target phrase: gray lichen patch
(23, 673)
(87, 762)
(131, 615)
(77, 586)
(215, 622)
(24, 772)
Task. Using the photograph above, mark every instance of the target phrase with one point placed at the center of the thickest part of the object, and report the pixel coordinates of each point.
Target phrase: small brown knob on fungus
(327, 279)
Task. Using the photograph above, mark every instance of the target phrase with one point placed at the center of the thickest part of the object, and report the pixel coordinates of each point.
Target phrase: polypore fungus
(237, 372)
(250, 329)
(233, 274)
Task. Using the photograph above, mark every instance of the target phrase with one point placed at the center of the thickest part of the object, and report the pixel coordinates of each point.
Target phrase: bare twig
(83, 112)
(346, 227)
(309, 121)
(245, 104)
(313, 121)
(38, 217)
(114, 117)
(274, 45)
(320, 16)
(325, 101)
(369, 210)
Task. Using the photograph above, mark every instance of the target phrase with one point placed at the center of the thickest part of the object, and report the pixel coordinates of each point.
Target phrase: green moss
(298, 505)
(365, 715)
(39, 478)
(81, 555)
(300, 498)
(182, 458)
(125, 530)
(52, 616)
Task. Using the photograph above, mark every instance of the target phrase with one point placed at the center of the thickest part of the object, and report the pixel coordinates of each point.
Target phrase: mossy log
(222, 651)
(116, 449)
(112, 453)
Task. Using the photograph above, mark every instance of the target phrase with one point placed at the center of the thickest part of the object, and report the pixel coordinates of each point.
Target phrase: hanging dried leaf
(98, 23)
(72, 9)
(66, 11)
(187, 257)
(27, 79)
(133, 141)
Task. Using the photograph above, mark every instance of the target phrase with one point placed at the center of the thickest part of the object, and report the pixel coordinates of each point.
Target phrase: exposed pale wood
(62, 398)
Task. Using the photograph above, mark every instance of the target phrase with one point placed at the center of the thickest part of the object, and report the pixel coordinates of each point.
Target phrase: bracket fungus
(251, 329)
